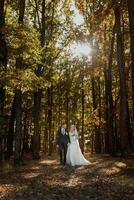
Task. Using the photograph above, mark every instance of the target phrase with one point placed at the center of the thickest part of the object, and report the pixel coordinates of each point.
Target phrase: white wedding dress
(74, 154)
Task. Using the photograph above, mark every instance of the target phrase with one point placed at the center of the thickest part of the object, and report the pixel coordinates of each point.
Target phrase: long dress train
(74, 154)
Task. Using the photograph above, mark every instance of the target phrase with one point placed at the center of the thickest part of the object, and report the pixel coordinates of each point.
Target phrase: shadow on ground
(105, 179)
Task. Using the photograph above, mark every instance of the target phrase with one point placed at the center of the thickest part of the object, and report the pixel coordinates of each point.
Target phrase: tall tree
(111, 138)
(18, 95)
(3, 64)
(10, 136)
(124, 115)
(82, 111)
(131, 27)
(38, 94)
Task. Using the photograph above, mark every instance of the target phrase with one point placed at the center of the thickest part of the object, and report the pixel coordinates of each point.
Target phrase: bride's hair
(75, 129)
(73, 126)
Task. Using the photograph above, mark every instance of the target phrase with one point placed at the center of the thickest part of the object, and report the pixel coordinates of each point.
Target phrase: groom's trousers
(63, 153)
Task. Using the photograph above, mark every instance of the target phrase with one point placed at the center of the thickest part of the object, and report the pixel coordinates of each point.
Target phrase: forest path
(105, 179)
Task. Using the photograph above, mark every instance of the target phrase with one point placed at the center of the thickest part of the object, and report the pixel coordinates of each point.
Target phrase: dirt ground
(105, 179)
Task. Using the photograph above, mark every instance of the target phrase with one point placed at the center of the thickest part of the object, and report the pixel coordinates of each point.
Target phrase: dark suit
(62, 141)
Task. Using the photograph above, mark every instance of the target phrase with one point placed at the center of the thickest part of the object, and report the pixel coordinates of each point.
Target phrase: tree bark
(18, 96)
(96, 136)
(82, 115)
(10, 136)
(111, 138)
(25, 134)
(130, 4)
(36, 136)
(38, 94)
(100, 146)
(50, 108)
(3, 65)
(3, 61)
(106, 112)
(124, 115)
(18, 128)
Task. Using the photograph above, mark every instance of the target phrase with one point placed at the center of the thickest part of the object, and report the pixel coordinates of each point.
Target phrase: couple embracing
(69, 149)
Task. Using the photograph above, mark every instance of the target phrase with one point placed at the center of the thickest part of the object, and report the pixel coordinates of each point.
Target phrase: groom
(62, 142)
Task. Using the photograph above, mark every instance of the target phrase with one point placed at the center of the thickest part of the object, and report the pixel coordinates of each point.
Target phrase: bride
(74, 154)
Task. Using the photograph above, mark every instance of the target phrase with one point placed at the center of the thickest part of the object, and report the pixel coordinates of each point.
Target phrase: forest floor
(105, 179)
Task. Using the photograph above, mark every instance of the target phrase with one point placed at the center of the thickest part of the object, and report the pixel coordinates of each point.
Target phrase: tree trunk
(106, 112)
(18, 129)
(25, 134)
(99, 114)
(50, 107)
(131, 26)
(82, 115)
(2, 100)
(67, 109)
(3, 64)
(36, 136)
(10, 136)
(18, 96)
(111, 141)
(45, 139)
(124, 115)
(38, 94)
(96, 137)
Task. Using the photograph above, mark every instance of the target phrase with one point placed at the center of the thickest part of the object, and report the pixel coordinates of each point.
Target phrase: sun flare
(81, 49)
